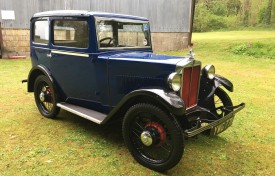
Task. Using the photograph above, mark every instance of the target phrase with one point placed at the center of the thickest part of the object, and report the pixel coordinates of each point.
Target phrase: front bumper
(216, 126)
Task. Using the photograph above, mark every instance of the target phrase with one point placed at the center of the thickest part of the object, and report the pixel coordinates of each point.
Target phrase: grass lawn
(70, 145)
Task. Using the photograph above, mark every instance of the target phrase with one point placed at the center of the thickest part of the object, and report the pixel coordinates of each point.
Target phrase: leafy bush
(216, 23)
(258, 45)
(256, 49)
(233, 22)
(239, 49)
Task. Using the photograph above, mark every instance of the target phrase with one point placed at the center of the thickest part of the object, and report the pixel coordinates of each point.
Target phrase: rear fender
(34, 73)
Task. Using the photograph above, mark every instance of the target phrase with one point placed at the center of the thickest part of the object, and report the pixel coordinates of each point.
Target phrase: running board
(89, 114)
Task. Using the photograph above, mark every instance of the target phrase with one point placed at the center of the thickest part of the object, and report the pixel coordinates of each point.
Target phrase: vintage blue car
(101, 66)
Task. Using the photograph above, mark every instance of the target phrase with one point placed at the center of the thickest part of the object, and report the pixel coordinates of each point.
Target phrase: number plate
(222, 127)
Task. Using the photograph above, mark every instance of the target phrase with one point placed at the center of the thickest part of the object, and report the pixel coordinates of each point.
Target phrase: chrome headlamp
(209, 71)
(174, 81)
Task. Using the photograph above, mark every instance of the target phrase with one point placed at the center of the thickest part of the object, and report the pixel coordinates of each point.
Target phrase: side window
(41, 32)
(105, 34)
(71, 33)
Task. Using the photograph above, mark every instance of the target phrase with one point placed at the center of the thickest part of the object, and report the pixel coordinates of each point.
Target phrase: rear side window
(41, 32)
(70, 33)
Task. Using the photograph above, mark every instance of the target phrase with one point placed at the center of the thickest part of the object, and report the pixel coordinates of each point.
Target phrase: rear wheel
(154, 139)
(45, 97)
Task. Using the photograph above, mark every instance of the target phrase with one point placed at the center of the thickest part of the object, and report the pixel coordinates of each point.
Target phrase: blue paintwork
(135, 70)
(101, 80)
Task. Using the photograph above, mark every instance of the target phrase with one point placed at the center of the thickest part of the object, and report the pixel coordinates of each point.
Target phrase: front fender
(171, 101)
(219, 80)
(209, 86)
(36, 71)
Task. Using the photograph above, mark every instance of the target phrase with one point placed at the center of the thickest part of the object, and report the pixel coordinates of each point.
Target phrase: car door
(71, 63)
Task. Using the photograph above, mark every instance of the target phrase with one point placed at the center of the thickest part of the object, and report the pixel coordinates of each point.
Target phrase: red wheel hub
(159, 129)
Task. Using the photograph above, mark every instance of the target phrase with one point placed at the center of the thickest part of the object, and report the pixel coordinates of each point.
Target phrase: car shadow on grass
(111, 131)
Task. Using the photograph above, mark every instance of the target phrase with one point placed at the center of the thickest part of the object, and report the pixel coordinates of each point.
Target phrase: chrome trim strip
(191, 133)
(69, 53)
(79, 113)
(37, 47)
(186, 63)
(199, 86)
(123, 20)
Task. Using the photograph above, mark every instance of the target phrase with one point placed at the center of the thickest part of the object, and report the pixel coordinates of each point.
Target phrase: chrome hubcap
(146, 138)
(42, 97)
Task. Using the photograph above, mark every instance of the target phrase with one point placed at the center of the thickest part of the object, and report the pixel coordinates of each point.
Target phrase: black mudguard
(219, 80)
(170, 100)
(36, 71)
(208, 88)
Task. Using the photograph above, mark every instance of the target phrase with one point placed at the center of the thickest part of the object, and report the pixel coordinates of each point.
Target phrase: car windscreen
(119, 34)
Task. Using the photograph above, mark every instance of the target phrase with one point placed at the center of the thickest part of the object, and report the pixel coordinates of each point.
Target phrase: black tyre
(221, 99)
(153, 138)
(45, 97)
(221, 106)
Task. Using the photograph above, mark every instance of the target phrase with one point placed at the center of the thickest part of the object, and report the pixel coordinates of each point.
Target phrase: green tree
(233, 7)
(273, 13)
(232, 14)
(268, 12)
(246, 9)
(208, 18)
(218, 8)
(265, 15)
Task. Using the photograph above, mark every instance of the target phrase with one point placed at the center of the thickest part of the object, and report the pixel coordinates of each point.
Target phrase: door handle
(49, 55)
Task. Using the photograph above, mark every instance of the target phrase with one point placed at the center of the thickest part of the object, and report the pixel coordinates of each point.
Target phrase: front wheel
(221, 106)
(222, 103)
(45, 97)
(153, 138)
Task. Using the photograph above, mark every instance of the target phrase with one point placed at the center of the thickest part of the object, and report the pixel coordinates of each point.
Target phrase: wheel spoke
(138, 136)
(140, 126)
(137, 131)
(156, 153)
(167, 150)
